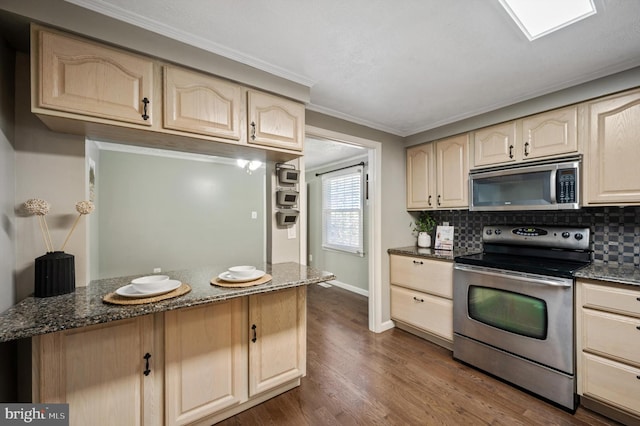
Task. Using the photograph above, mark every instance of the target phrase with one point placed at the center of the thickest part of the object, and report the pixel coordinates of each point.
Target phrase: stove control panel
(540, 236)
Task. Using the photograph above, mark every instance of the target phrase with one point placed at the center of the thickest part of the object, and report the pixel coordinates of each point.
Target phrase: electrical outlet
(291, 232)
(157, 270)
(310, 258)
(254, 215)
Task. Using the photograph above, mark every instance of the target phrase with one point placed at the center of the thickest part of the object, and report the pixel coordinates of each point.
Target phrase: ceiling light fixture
(537, 18)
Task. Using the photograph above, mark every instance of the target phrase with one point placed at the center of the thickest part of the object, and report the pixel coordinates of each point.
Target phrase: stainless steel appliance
(513, 307)
(547, 185)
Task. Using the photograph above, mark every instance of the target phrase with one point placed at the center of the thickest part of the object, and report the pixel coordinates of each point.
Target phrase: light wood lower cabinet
(421, 297)
(214, 363)
(608, 345)
(101, 372)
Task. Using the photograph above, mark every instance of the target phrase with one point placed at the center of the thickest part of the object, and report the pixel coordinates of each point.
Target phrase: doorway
(326, 151)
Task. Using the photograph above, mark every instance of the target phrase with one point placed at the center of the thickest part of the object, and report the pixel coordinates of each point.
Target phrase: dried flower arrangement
(41, 208)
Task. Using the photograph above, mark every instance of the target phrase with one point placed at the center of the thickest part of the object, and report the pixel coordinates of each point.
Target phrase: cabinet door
(612, 157)
(90, 79)
(612, 382)
(452, 167)
(495, 145)
(275, 121)
(100, 372)
(202, 104)
(429, 313)
(277, 348)
(205, 360)
(425, 275)
(421, 177)
(549, 134)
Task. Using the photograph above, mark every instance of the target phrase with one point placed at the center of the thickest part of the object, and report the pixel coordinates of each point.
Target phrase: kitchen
(394, 216)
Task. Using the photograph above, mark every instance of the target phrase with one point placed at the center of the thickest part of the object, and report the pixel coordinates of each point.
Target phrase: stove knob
(578, 236)
(565, 234)
(488, 232)
(498, 232)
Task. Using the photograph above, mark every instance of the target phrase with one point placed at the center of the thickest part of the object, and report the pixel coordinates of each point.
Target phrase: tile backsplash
(615, 231)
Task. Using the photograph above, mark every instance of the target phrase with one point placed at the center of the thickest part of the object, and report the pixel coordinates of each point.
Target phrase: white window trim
(352, 249)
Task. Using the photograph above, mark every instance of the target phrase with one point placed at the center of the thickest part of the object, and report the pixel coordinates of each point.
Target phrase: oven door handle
(518, 276)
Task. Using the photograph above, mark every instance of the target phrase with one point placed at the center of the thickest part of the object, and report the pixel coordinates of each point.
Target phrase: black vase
(55, 274)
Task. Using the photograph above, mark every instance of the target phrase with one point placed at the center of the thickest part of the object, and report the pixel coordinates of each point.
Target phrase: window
(342, 210)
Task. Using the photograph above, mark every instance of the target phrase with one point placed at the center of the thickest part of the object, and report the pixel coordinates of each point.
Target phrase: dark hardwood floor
(356, 377)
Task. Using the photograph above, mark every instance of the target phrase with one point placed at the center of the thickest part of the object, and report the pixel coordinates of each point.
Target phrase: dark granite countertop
(84, 306)
(429, 253)
(612, 273)
(595, 271)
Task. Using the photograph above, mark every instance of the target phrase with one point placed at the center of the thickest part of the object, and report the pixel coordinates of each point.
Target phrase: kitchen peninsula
(204, 356)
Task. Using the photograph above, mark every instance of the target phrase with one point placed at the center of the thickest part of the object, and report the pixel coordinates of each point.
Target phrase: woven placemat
(264, 279)
(115, 299)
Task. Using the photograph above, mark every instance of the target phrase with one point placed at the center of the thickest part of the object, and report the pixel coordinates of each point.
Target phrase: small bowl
(244, 271)
(149, 283)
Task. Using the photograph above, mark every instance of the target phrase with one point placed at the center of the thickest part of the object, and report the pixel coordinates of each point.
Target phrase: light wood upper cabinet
(611, 167)
(277, 348)
(421, 177)
(205, 360)
(452, 169)
(275, 121)
(199, 103)
(89, 79)
(495, 145)
(100, 372)
(438, 174)
(549, 134)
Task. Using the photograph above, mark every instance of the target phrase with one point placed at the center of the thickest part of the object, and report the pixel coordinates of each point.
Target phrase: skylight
(537, 18)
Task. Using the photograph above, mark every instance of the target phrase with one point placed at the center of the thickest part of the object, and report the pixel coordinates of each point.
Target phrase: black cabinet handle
(146, 368)
(429, 200)
(255, 337)
(253, 130)
(418, 300)
(638, 299)
(510, 151)
(638, 327)
(145, 101)
(438, 199)
(418, 262)
(526, 149)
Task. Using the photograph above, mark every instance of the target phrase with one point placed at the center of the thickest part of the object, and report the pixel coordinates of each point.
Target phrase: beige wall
(50, 166)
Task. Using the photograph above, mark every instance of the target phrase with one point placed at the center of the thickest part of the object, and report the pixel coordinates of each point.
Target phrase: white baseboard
(387, 325)
(349, 287)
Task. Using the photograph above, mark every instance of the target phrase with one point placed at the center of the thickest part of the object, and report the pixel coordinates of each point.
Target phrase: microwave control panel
(566, 186)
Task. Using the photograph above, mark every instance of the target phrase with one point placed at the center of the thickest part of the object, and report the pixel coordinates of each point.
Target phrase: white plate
(129, 291)
(226, 276)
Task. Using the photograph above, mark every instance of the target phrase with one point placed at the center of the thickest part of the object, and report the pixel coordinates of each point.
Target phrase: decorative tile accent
(615, 231)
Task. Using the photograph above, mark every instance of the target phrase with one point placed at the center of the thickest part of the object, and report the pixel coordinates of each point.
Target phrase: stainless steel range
(513, 307)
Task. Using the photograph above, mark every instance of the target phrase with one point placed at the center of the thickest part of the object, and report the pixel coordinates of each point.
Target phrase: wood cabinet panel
(452, 169)
(199, 103)
(425, 275)
(275, 121)
(612, 382)
(610, 298)
(550, 134)
(99, 372)
(90, 79)
(611, 335)
(495, 144)
(430, 313)
(206, 369)
(612, 157)
(277, 350)
(421, 177)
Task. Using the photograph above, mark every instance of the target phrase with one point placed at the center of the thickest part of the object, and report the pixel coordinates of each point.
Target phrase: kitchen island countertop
(33, 316)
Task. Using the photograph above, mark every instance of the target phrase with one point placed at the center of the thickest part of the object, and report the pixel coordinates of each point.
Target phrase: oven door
(524, 314)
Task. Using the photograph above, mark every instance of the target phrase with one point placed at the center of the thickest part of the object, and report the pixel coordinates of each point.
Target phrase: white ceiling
(398, 66)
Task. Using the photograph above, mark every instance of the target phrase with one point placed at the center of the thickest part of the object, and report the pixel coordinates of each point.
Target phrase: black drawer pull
(638, 327)
(145, 116)
(418, 262)
(638, 377)
(255, 337)
(418, 300)
(638, 299)
(147, 370)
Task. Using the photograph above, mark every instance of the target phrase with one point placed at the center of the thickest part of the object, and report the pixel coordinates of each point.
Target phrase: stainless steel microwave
(548, 185)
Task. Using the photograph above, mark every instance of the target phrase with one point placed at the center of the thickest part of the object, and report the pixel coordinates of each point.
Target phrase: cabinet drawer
(615, 299)
(612, 335)
(612, 382)
(430, 313)
(431, 276)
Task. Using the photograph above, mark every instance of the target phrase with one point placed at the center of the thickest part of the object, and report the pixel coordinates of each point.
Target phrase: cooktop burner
(552, 251)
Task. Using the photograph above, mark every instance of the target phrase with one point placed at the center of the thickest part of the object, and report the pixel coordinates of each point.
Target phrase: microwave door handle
(552, 192)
